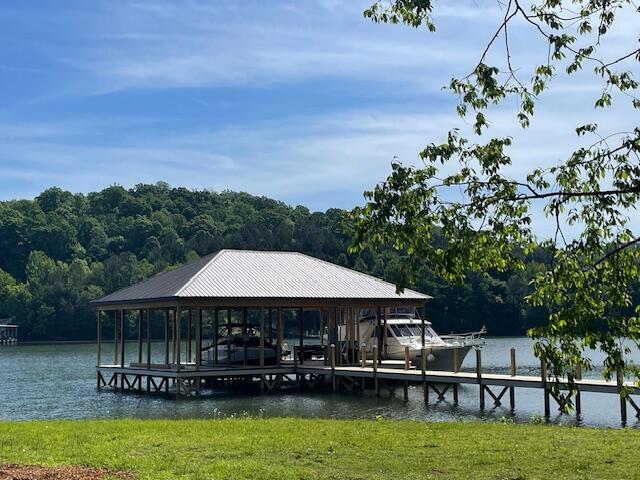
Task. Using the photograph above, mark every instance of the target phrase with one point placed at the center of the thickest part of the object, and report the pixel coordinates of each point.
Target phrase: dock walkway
(188, 378)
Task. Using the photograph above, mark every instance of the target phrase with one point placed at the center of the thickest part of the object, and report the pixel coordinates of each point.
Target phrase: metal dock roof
(244, 274)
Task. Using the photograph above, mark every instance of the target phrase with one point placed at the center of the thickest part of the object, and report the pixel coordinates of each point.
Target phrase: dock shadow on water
(58, 381)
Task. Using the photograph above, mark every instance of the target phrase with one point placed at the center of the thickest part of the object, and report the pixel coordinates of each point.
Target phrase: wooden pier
(369, 374)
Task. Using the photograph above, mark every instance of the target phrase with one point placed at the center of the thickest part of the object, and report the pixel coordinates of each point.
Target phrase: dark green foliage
(61, 250)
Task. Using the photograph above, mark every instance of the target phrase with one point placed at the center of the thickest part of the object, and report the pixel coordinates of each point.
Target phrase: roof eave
(255, 302)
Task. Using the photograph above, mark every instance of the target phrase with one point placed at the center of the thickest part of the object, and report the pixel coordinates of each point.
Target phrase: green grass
(329, 449)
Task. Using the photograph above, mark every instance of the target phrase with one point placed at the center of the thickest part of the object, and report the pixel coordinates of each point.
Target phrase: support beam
(174, 329)
(380, 335)
(199, 343)
(140, 335)
(332, 360)
(578, 399)
(115, 337)
(301, 326)
(543, 375)
(245, 319)
(479, 376)
(98, 337)
(166, 336)
(623, 396)
(280, 337)
(512, 390)
(261, 352)
(178, 319)
(189, 349)
(228, 336)
(148, 311)
(321, 333)
(385, 354)
(375, 369)
(122, 338)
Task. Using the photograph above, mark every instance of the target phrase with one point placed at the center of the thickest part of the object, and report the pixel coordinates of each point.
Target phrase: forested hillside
(61, 250)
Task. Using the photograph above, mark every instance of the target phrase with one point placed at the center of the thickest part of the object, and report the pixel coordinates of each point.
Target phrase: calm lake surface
(59, 381)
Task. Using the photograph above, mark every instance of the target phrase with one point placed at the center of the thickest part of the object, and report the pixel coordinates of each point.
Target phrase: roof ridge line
(193, 277)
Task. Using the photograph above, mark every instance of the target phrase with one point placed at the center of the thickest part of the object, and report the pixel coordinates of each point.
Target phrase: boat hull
(439, 357)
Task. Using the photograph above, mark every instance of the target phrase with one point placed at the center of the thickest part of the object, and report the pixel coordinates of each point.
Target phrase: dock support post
(189, 337)
(115, 337)
(261, 348)
(199, 340)
(178, 337)
(543, 374)
(623, 397)
(122, 340)
(295, 366)
(98, 338)
(379, 329)
(512, 390)
(199, 348)
(245, 314)
(456, 369)
(139, 335)
(479, 376)
(166, 336)
(406, 367)
(363, 364)
(280, 337)
(375, 370)
(148, 340)
(423, 362)
(385, 353)
(332, 359)
(578, 399)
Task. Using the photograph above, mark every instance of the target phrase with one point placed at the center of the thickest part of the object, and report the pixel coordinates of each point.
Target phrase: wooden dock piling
(512, 390)
(543, 377)
(623, 398)
(375, 370)
(479, 377)
(423, 365)
(578, 402)
(332, 359)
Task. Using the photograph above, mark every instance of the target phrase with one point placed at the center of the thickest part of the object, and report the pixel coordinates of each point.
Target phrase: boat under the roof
(404, 329)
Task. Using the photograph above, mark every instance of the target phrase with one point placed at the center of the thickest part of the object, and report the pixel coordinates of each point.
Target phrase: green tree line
(61, 250)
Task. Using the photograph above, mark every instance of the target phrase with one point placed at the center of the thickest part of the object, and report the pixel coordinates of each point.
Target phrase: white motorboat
(405, 330)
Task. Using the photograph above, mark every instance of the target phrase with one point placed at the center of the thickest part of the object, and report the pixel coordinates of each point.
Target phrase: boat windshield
(411, 330)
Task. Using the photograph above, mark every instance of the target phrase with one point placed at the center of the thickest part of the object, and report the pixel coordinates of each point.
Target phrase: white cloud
(171, 45)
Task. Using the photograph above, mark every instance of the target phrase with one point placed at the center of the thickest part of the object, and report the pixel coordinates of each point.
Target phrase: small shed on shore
(278, 297)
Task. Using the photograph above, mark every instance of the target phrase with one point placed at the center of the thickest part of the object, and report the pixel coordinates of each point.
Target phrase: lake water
(59, 381)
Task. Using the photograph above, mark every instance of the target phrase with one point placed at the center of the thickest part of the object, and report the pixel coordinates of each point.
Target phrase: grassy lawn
(328, 449)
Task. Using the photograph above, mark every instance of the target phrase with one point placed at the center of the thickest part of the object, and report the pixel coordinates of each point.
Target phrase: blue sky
(303, 101)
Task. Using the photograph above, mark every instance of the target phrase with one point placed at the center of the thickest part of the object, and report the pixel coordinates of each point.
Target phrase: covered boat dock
(240, 313)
